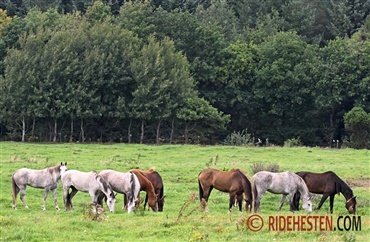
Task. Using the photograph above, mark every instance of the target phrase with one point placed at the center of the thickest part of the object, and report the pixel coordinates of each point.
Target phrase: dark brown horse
(233, 182)
(328, 184)
(157, 182)
(147, 186)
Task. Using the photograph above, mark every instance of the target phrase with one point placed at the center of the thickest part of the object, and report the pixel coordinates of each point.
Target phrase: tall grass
(183, 218)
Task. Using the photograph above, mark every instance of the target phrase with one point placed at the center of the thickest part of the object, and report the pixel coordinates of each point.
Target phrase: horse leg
(53, 192)
(124, 207)
(331, 202)
(232, 199)
(323, 199)
(282, 202)
(71, 195)
(46, 191)
(257, 201)
(22, 194)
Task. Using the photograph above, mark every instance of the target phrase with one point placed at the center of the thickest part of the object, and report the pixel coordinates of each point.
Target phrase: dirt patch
(353, 183)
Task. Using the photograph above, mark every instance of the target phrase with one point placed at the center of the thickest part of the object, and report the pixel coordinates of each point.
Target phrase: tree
(357, 125)
(163, 82)
(198, 111)
(283, 86)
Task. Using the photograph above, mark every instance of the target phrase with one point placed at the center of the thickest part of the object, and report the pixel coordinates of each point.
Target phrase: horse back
(319, 183)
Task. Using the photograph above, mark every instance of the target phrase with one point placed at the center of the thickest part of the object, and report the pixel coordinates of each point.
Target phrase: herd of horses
(104, 184)
(100, 185)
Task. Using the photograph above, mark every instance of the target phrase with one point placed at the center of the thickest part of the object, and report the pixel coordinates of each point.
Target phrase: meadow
(182, 218)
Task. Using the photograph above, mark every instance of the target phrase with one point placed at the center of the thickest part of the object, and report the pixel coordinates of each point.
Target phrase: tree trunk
(82, 131)
(142, 132)
(71, 136)
(186, 132)
(23, 129)
(129, 132)
(55, 130)
(172, 129)
(33, 127)
(158, 132)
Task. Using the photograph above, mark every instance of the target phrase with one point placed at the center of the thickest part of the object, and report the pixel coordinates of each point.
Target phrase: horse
(156, 179)
(90, 182)
(47, 179)
(328, 184)
(280, 183)
(126, 183)
(233, 182)
(147, 186)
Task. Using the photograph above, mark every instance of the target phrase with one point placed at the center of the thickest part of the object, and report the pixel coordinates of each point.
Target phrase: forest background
(190, 71)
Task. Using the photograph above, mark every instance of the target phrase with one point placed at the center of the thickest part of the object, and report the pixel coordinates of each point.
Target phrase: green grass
(179, 166)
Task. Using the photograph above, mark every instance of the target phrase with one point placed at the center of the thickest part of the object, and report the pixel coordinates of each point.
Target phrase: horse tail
(254, 190)
(201, 193)
(14, 192)
(133, 187)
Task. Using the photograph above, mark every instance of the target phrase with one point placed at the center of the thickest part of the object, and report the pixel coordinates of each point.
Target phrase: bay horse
(279, 183)
(47, 179)
(233, 182)
(90, 182)
(328, 184)
(155, 178)
(125, 183)
(147, 186)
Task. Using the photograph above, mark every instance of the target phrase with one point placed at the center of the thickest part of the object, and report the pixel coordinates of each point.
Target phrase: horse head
(153, 203)
(161, 203)
(307, 203)
(63, 167)
(248, 205)
(111, 200)
(351, 205)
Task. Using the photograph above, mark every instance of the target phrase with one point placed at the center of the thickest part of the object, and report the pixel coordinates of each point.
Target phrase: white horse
(123, 182)
(280, 183)
(47, 179)
(90, 182)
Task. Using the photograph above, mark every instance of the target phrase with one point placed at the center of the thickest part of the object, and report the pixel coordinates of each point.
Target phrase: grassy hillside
(179, 166)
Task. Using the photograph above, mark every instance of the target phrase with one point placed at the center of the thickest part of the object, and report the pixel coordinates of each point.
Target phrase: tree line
(185, 71)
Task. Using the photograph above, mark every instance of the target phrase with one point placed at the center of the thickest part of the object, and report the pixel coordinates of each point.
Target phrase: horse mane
(341, 186)
(53, 169)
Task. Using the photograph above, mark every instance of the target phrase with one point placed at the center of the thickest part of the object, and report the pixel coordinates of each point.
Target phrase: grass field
(182, 219)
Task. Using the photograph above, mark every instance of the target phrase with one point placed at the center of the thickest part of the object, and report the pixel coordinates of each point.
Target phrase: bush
(357, 126)
(294, 142)
(257, 167)
(241, 138)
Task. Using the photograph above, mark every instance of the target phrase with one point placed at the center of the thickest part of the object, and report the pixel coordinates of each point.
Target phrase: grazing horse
(125, 183)
(47, 179)
(280, 183)
(328, 184)
(147, 186)
(234, 182)
(90, 182)
(157, 182)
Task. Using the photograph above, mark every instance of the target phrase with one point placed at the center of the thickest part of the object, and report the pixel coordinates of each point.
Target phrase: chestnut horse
(147, 186)
(328, 184)
(233, 182)
(157, 182)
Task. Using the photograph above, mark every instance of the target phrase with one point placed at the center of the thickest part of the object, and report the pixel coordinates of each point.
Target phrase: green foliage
(357, 125)
(241, 138)
(293, 142)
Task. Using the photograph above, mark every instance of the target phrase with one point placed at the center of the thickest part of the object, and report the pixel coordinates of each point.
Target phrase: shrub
(241, 138)
(357, 126)
(292, 142)
(256, 167)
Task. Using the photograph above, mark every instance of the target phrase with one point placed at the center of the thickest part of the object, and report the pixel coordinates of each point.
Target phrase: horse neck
(105, 188)
(302, 188)
(343, 188)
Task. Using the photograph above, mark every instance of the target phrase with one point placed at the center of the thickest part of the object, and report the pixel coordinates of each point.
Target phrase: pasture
(182, 218)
